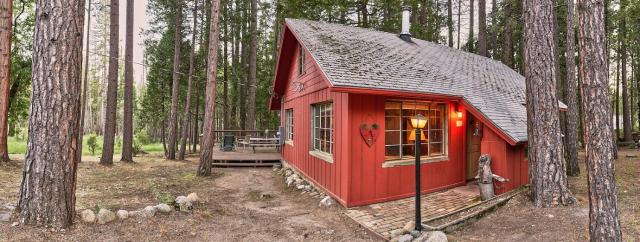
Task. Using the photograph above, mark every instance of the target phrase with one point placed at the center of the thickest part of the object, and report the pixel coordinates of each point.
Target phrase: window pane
(392, 137)
(406, 123)
(392, 123)
(392, 152)
(436, 136)
(436, 149)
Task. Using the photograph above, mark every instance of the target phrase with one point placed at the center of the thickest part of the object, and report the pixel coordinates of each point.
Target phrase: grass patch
(160, 195)
(18, 145)
(255, 195)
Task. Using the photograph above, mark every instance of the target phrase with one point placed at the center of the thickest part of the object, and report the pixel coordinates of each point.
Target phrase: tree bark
(547, 172)
(571, 96)
(470, 41)
(173, 119)
(85, 81)
(604, 224)
(626, 109)
(112, 86)
(459, 16)
(127, 122)
(225, 89)
(450, 22)
(6, 12)
(187, 106)
(208, 138)
(617, 94)
(492, 31)
(253, 48)
(47, 195)
(506, 49)
(482, 28)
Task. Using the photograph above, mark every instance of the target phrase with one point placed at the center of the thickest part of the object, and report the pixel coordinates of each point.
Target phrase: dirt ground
(233, 209)
(520, 221)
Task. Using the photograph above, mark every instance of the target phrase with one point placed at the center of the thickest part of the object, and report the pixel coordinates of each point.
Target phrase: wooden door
(473, 147)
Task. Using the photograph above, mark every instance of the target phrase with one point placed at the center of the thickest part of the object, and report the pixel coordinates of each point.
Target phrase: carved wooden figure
(485, 177)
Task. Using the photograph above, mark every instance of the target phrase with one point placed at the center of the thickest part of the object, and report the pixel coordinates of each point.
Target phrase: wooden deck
(246, 158)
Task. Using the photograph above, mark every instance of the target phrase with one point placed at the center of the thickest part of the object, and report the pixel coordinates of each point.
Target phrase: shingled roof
(365, 58)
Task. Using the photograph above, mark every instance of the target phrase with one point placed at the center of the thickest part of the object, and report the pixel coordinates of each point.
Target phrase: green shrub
(92, 142)
(137, 148)
(143, 137)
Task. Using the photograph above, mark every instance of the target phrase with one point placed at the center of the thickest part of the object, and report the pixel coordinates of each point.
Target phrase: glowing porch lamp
(459, 116)
(418, 122)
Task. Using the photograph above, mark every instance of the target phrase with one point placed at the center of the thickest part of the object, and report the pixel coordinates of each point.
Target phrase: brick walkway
(382, 218)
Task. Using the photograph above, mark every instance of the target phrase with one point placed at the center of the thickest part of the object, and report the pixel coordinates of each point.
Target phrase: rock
(181, 199)
(409, 226)
(397, 233)
(193, 197)
(265, 196)
(277, 167)
(300, 187)
(137, 213)
(184, 204)
(163, 208)
(415, 233)
(405, 238)
(5, 216)
(105, 216)
(122, 214)
(288, 172)
(432, 236)
(327, 202)
(14, 224)
(88, 216)
(308, 188)
(148, 211)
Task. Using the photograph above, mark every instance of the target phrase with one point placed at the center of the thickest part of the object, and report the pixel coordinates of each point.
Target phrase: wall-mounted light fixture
(458, 116)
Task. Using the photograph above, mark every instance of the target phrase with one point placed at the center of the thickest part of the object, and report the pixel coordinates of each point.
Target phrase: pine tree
(6, 11)
(112, 86)
(47, 195)
(127, 122)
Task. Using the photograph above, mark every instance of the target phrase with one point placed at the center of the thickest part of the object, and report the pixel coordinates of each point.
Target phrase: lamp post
(418, 122)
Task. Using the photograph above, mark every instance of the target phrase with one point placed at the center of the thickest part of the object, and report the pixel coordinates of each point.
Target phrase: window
(288, 124)
(301, 58)
(400, 135)
(322, 127)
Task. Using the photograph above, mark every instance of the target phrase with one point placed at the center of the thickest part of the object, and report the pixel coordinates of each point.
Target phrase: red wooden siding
(330, 176)
(371, 183)
(506, 161)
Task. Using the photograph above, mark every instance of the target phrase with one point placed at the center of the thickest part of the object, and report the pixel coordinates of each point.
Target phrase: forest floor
(520, 221)
(232, 208)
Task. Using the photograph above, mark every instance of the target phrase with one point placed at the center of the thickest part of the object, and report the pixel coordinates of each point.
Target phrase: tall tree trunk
(187, 106)
(47, 195)
(112, 86)
(617, 93)
(175, 94)
(6, 12)
(571, 136)
(253, 48)
(506, 49)
(127, 122)
(459, 17)
(470, 41)
(626, 112)
(225, 98)
(604, 224)
(482, 25)
(492, 31)
(208, 138)
(85, 81)
(547, 173)
(450, 22)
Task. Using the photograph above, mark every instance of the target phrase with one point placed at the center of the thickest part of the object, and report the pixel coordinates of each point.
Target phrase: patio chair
(228, 143)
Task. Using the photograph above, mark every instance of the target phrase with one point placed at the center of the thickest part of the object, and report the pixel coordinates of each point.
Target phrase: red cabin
(346, 97)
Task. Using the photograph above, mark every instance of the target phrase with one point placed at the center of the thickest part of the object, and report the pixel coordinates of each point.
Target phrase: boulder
(163, 208)
(300, 187)
(183, 203)
(88, 216)
(405, 238)
(397, 233)
(148, 211)
(122, 214)
(193, 197)
(327, 202)
(409, 226)
(136, 213)
(288, 172)
(432, 236)
(105, 216)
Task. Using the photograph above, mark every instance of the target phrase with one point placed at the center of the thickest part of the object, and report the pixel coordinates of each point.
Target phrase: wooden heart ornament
(369, 133)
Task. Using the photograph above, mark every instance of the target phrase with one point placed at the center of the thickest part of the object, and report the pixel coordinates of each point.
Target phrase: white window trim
(410, 161)
(326, 156)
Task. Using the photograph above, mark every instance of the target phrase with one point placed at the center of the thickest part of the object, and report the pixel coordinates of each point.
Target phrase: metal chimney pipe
(406, 23)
